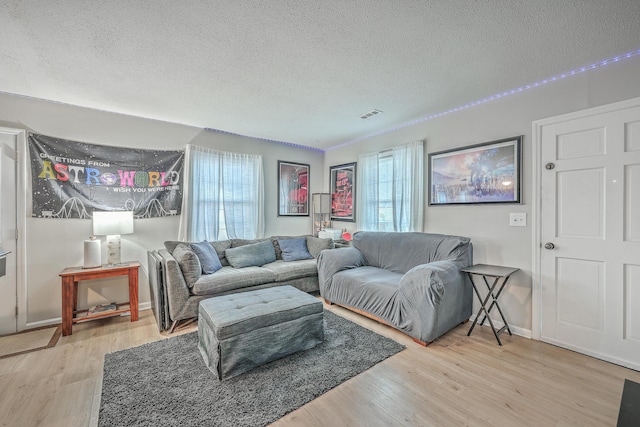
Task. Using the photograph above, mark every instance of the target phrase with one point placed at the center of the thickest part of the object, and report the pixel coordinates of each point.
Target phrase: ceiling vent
(370, 114)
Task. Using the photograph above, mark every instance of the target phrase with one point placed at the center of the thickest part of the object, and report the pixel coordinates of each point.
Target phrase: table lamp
(113, 224)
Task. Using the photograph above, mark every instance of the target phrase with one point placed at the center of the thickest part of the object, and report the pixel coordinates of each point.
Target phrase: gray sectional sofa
(178, 283)
(410, 281)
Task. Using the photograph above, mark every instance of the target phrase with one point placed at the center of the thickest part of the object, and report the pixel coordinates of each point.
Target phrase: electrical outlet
(517, 219)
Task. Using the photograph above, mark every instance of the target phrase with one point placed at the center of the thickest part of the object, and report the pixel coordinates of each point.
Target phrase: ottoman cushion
(238, 332)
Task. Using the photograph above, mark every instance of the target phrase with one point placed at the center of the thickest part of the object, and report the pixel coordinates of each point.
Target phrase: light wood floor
(457, 380)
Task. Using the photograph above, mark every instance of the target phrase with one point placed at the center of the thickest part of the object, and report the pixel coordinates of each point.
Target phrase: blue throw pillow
(255, 254)
(208, 257)
(294, 249)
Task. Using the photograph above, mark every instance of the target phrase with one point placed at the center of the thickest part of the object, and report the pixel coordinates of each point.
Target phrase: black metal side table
(496, 273)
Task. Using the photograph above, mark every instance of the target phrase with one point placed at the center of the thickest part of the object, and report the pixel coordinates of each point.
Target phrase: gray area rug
(166, 383)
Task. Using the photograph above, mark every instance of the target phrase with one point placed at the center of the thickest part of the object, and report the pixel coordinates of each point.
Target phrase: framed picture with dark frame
(484, 173)
(293, 189)
(342, 186)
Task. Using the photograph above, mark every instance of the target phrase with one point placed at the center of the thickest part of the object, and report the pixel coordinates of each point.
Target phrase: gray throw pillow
(208, 257)
(256, 254)
(189, 263)
(294, 249)
(315, 245)
(220, 246)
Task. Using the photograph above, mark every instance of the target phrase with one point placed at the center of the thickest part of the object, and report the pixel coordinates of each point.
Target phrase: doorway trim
(21, 222)
(536, 208)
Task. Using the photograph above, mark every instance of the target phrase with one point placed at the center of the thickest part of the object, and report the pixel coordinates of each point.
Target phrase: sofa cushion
(208, 257)
(285, 271)
(221, 246)
(255, 254)
(188, 262)
(400, 252)
(229, 278)
(371, 289)
(276, 245)
(294, 249)
(315, 245)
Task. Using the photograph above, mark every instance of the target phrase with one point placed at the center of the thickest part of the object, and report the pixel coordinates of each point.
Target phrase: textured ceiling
(299, 71)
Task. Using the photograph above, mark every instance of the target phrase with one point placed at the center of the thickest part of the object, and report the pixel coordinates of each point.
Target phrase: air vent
(370, 114)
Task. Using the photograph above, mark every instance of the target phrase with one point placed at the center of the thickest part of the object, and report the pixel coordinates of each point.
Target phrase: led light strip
(492, 97)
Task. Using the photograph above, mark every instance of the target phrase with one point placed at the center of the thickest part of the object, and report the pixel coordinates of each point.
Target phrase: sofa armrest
(177, 290)
(438, 291)
(333, 261)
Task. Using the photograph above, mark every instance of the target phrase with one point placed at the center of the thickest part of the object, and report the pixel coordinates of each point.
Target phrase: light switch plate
(517, 219)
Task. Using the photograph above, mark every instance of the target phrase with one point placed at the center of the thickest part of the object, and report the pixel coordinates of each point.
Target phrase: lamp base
(113, 249)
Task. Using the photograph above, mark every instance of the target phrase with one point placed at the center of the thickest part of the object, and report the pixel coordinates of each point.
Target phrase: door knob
(549, 245)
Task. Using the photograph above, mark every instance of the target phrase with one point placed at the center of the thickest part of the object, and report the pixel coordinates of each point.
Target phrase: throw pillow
(294, 249)
(207, 256)
(315, 245)
(276, 245)
(189, 263)
(220, 246)
(255, 254)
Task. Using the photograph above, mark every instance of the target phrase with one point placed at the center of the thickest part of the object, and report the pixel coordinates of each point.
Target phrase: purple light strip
(491, 98)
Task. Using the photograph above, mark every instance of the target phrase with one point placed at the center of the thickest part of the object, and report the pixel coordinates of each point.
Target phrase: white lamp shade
(111, 223)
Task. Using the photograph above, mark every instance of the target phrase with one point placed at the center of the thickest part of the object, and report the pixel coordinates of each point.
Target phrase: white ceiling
(299, 71)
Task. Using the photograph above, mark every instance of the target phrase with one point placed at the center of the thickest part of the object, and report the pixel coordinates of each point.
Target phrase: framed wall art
(482, 173)
(342, 186)
(293, 189)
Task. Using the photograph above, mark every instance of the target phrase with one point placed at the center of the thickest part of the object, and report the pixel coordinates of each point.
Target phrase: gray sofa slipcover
(410, 281)
(178, 299)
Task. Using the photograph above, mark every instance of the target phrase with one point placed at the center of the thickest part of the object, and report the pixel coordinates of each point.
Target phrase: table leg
(133, 293)
(483, 307)
(67, 304)
(495, 300)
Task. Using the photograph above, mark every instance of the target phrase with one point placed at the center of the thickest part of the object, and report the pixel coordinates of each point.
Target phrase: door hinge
(16, 311)
(16, 233)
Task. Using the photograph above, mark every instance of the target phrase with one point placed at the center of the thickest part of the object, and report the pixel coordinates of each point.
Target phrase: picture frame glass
(479, 174)
(342, 185)
(293, 189)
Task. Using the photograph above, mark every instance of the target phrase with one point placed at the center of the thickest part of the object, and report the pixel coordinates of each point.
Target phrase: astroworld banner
(73, 179)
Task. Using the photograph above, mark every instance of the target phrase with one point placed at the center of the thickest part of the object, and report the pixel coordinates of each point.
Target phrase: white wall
(494, 241)
(53, 244)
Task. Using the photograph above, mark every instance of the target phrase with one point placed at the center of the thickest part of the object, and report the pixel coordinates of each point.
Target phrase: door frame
(22, 183)
(536, 208)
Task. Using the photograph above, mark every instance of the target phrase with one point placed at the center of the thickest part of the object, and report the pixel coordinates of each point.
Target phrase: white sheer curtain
(367, 194)
(408, 187)
(220, 183)
(400, 194)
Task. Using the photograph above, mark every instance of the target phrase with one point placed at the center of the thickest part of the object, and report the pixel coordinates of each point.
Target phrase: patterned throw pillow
(207, 256)
(294, 249)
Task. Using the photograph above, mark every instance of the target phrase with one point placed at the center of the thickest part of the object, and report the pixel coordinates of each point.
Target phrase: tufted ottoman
(240, 331)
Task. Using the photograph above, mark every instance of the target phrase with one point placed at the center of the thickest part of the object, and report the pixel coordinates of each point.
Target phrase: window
(223, 196)
(391, 189)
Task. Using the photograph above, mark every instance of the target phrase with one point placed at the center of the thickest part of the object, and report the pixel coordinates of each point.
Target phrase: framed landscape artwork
(483, 173)
(342, 185)
(293, 189)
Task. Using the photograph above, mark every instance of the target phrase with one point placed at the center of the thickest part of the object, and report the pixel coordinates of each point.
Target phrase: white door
(8, 282)
(590, 235)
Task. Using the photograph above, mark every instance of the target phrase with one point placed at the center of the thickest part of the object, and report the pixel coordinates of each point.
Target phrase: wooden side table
(72, 275)
(496, 273)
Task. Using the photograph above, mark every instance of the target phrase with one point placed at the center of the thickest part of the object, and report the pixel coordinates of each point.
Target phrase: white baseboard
(498, 324)
(57, 320)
